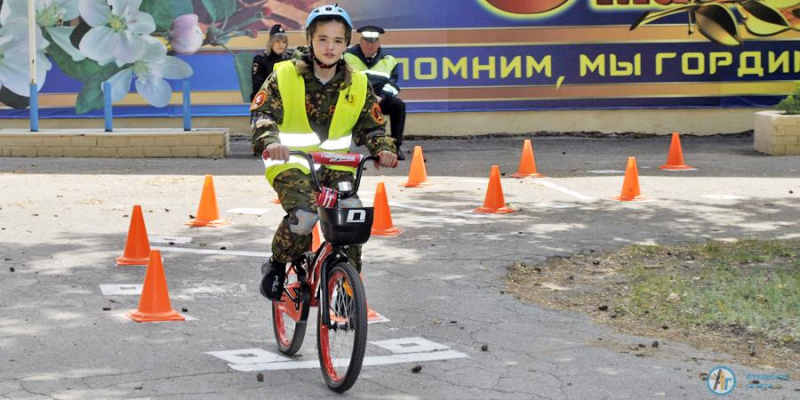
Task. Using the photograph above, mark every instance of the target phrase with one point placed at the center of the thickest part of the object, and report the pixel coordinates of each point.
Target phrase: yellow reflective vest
(295, 132)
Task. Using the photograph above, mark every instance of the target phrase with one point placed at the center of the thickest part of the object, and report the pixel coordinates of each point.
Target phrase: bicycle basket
(346, 226)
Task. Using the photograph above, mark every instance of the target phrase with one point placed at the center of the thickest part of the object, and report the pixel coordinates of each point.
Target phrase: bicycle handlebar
(354, 160)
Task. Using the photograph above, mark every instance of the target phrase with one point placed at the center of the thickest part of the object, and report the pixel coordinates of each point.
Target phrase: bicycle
(341, 299)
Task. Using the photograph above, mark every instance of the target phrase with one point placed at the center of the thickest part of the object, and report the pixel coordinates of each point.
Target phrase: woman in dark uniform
(264, 62)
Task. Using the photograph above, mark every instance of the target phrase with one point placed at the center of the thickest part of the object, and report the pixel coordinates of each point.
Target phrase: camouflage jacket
(320, 104)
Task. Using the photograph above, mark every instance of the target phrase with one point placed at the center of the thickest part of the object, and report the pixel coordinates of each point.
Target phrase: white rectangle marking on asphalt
(168, 239)
(368, 361)
(410, 345)
(606, 171)
(248, 356)
(211, 252)
(121, 289)
(564, 190)
(253, 211)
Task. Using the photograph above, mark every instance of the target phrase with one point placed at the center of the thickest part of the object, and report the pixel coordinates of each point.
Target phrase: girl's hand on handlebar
(277, 151)
(386, 159)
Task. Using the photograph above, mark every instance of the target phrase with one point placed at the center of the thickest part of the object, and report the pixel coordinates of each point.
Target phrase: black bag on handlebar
(346, 226)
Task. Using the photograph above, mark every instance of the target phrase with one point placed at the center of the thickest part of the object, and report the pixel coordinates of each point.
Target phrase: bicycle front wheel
(289, 316)
(342, 343)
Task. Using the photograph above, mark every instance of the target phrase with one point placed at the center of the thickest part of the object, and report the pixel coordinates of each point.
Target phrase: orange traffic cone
(527, 163)
(137, 247)
(495, 202)
(315, 241)
(630, 187)
(154, 305)
(417, 175)
(675, 158)
(382, 221)
(208, 213)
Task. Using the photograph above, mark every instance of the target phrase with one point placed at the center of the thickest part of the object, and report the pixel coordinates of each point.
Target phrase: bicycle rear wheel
(289, 316)
(342, 344)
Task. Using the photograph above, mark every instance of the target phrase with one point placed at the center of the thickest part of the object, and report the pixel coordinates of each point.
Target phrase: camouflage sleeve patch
(376, 114)
(259, 100)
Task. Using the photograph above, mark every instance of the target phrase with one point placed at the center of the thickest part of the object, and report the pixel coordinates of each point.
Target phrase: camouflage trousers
(296, 192)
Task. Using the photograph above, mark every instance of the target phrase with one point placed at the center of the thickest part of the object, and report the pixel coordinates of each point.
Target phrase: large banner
(455, 55)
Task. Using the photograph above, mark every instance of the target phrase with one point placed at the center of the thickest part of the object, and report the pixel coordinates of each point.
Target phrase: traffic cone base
(132, 260)
(171, 315)
(154, 304)
(680, 167)
(137, 246)
(374, 318)
(495, 202)
(675, 158)
(489, 210)
(387, 232)
(207, 212)
(521, 175)
(627, 198)
(417, 176)
(382, 220)
(527, 163)
(211, 224)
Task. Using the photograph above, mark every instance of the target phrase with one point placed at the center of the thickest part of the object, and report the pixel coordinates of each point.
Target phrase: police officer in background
(263, 62)
(381, 68)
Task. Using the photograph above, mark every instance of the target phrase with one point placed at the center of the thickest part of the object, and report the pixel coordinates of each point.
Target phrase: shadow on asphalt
(556, 156)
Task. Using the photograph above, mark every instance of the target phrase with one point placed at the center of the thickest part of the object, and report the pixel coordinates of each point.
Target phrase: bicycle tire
(350, 323)
(290, 340)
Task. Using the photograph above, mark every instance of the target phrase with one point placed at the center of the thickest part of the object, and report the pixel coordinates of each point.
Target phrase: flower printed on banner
(128, 41)
(118, 33)
(150, 72)
(15, 56)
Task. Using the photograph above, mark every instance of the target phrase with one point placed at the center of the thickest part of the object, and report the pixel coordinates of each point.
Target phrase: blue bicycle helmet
(329, 10)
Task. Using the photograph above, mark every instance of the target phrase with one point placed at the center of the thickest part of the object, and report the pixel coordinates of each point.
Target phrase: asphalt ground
(63, 222)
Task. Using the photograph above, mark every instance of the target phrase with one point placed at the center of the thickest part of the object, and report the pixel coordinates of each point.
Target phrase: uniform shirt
(320, 104)
(378, 82)
(262, 68)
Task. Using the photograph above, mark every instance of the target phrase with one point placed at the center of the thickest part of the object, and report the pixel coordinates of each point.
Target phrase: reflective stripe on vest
(295, 130)
(383, 67)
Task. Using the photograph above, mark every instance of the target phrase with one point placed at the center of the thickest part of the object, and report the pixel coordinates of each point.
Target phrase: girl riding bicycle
(314, 102)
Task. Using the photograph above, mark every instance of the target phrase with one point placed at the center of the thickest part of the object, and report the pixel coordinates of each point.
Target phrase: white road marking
(214, 252)
(368, 361)
(606, 171)
(551, 185)
(248, 356)
(168, 239)
(410, 345)
(406, 350)
(722, 196)
(253, 211)
(121, 289)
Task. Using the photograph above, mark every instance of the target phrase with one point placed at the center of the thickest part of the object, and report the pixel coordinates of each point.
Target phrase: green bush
(791, 104)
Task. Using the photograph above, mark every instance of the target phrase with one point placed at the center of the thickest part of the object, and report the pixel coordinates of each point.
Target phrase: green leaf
(91, 95)
(90, 98)
(14, 100)
(243, 63)
(717, 23)
(164, 12)
(220, 9)
(763, 20)
(82, 70)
